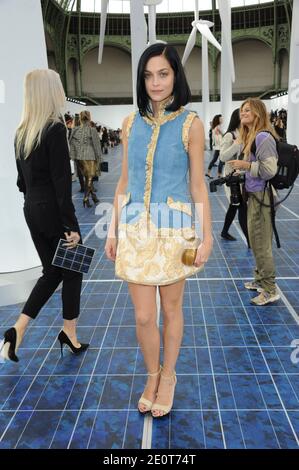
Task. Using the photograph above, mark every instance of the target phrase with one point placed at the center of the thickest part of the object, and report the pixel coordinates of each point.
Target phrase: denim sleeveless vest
(156, 219)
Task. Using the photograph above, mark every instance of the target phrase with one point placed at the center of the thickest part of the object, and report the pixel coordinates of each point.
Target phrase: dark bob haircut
(181, 91)
(235, 121)
(216, 120)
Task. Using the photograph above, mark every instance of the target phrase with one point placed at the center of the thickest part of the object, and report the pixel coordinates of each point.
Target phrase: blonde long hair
(261, 123)
(44, 100)
(85, 117)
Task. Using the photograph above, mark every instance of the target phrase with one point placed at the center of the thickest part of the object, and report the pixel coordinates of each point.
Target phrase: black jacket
(46, 181)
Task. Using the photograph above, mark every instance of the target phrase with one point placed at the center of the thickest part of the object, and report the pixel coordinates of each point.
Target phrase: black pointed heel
(64, 339)
(228, 236)
(8, 350)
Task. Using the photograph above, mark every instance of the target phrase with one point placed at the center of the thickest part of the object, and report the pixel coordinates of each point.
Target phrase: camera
(233, 181)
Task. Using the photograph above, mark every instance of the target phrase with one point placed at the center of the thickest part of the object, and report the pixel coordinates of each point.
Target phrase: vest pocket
(179, 206)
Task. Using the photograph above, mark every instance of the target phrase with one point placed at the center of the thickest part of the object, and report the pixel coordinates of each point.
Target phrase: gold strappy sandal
(164, 408)
(144, 401)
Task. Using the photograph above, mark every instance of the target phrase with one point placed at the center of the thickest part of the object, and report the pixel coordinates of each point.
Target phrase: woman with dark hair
(217, 139)
(211, 136)
(77, 120)
(230, 148)
(70, 124)
(148, 236)
(105, 140)
(280, 129)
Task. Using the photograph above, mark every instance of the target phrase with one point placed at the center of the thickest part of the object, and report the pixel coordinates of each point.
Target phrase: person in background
(230, 148)
(211, 136)
(77, 120)
(44, 176)
(217, 138)
(85, 148)
(105, 140)
(259, 167)
(69, 120)
(280, 129)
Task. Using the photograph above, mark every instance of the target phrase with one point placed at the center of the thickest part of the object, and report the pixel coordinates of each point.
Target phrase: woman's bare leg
(173, 326)
(148, 335)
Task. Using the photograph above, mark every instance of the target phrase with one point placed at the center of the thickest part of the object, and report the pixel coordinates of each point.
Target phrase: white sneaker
(253, 285)
(265, 298)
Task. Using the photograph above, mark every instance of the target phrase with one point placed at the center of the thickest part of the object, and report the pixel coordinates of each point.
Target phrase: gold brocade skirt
(151, 256)
(88, 168)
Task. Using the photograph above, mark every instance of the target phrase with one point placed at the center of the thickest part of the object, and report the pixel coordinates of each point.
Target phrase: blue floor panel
(237, 385)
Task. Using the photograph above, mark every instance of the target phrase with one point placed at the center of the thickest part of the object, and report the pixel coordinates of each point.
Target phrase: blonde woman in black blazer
(44, 176)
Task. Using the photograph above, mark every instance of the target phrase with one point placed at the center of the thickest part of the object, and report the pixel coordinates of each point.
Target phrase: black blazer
(46, 181)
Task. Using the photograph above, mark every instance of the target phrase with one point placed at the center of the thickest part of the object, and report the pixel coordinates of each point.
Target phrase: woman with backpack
(260, 166)
(230, 148)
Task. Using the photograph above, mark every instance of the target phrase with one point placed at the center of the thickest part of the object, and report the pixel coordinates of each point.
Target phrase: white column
(226, 65)
(152, 24)
(25, 50)
(138, 39)
(152, 4)
(205, 85)
(293, 95)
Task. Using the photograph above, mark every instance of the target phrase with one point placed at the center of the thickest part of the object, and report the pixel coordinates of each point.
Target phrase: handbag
(188, 256)
(104, 167)
(74, 259)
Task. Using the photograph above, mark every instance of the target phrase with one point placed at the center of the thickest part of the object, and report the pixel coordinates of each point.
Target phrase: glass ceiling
(167, 6)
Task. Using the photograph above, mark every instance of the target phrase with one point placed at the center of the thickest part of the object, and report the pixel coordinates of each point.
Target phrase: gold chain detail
(130, 123)
(155, 123)
(149, 167)
(186, 129)
(179, 206)
(163, 118)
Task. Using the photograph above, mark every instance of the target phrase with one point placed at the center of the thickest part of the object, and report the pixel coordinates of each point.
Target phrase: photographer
(231, 147)
(260, 167)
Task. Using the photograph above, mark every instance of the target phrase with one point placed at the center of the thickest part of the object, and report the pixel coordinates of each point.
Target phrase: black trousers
(214, 160)
(242, 217)
(210, 140)
(80, 176)
(45, 243)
